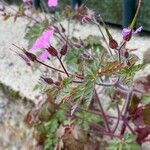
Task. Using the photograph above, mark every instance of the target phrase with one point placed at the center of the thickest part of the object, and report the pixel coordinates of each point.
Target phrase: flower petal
(126, 31)
(43, 41)
(44, 56)
(138, 30)
(52, 3)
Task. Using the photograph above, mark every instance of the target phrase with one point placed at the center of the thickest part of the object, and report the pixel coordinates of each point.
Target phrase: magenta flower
(127, 33)
(52, 3)
(138, 30)
(44, 55)
(27, 1)
(43, 42)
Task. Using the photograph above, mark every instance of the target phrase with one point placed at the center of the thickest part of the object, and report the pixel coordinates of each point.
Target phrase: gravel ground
(20, 77)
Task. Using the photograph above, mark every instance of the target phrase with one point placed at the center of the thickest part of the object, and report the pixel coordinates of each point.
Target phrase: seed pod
(57, 83)
(64, 49)
(126, 54)
(113, 43)
(77, 45)
(52, 51)
(30, 56)
(48, 80)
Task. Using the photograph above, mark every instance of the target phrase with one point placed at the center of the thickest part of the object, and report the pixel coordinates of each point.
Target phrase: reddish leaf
(142, 133)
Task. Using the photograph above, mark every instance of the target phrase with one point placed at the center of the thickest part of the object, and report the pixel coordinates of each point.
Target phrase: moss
(14, 95)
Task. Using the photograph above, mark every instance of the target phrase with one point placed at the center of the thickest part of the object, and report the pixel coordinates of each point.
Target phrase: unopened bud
(52, 51)
(127, 37)
(128, 63)
(127, 34)
(2, 7)
(30, 56)
(126, 54)
(77, 45)
(113, 43)
(57, 83)
(48, 80)
(64, 49)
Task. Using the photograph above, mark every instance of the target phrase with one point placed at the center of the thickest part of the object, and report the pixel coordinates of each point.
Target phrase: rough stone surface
(14, 135)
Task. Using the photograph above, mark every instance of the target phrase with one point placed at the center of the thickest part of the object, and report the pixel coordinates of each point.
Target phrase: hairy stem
(63, 66)
(103, 113)
(128, 101)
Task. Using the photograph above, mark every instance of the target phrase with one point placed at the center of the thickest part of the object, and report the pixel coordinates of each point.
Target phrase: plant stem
(63, 66)
(58, 70)
(136, 14)
(125, 117)
(99, 27)
(104, 133)
(102, 110)
(118, 120)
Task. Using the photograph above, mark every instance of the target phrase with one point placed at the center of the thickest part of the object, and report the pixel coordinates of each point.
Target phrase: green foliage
(146, 99)
(35, 31)
(77, 93)
(127, 143)
(52, 126)
(75, 60)
(40, 87)
(129, 72)
(86, 117)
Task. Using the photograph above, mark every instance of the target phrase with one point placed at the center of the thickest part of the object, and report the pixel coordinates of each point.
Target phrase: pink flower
(43, 41)
(127, 33)
(52, 3)
(44, 55)
(138, 30)
(27, 1)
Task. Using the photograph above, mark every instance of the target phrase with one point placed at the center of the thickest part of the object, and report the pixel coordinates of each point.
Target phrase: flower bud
(2, 7)
(48, 80)
(113, 43)
(127, 34)
(30, 56)
(126, 54)
(57, 83)
(77, 45)
(52, 51)
(127, 37)
(64, 49)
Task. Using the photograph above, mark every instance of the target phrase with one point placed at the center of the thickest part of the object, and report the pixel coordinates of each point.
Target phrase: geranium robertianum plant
(72, 113)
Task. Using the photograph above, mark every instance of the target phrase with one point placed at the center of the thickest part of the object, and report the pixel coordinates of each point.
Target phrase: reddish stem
(103, 113)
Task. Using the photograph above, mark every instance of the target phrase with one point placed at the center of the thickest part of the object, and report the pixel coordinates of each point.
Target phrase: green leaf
(146, 99)
(67, 81)
(115, 144)
(129, 72)
(129, 138)
(35, 31)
